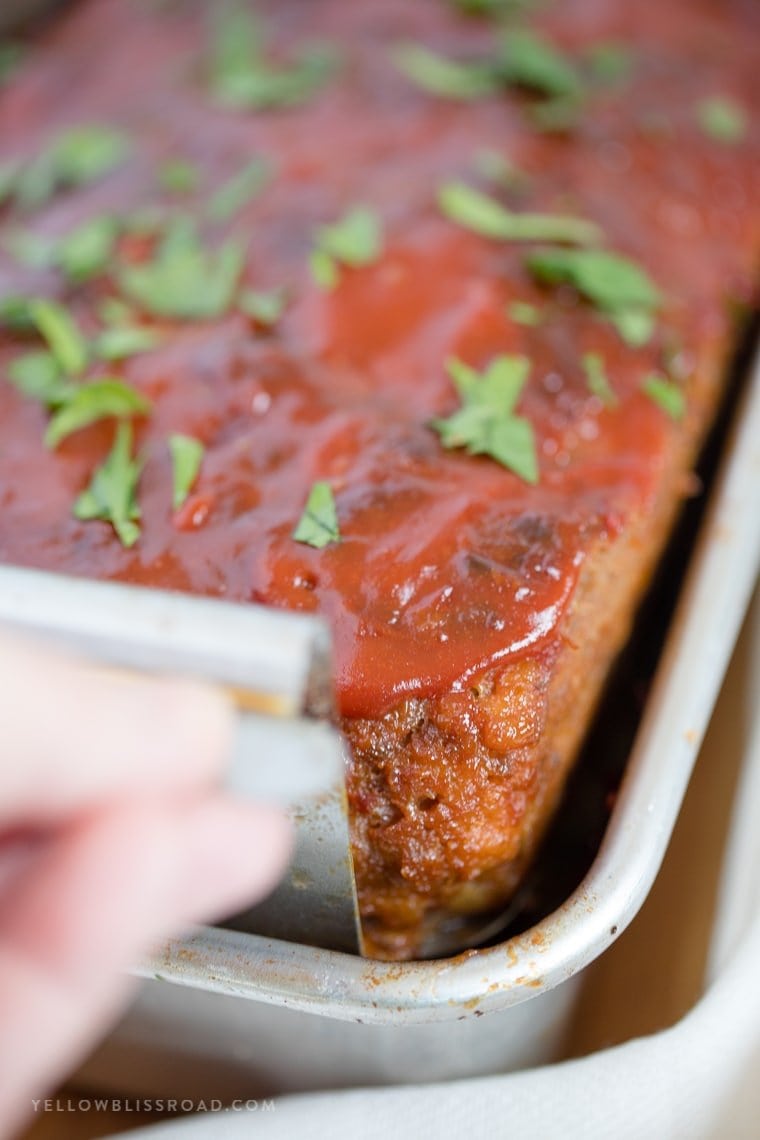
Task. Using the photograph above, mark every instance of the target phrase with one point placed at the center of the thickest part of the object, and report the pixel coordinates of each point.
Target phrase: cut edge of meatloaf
(450, 796)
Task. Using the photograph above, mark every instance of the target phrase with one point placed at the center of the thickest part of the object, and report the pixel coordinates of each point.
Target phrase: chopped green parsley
(62, 335)
(488, 218)
(597, 381)
(528, 60)
(87, 404)
(242, 76)
(443, 77)
(187, 455)
(355, 240)
(486, 423)
(112, 493)
(184, 280)
(722, 119)
(76, 157)
(179, 176)
(666, 394)
(523, 313)
(265, 306)
(318, 525)
(239, 190)
(614, 284)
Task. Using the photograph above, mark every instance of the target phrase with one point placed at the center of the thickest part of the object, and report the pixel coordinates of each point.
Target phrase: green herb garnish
(184, 280)
(263, 306)
(89, 403)
(488, 218)
(187, 455)
(30, 249)
(523, 313)
(441, 76)
(666, 395)
(178, 176)
(486, 423)
(722, 119)
(495, 8)
(241, 75)
(15, 313)
(112, 493)
(81, 254)
(124, 341)
(615, 285)
(597, 381)
(87, 250)
(64, 339)
(528, 60)
(318, 525)
(38, 376)
(75, 158)
(238, 192)
(114, 311)
(496, 168)
(354, 241)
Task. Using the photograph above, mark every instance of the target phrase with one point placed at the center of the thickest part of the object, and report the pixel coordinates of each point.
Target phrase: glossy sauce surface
(447, 563)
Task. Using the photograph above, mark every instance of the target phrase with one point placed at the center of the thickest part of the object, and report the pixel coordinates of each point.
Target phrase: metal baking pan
(222, 1013)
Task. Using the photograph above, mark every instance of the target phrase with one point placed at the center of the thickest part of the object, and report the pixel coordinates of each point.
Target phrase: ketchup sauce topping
(447, 562)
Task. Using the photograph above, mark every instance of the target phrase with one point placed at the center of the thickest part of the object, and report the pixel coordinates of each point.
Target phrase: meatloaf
(413, 315)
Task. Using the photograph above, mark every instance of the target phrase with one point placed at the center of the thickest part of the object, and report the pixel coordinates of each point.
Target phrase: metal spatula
(277, 666)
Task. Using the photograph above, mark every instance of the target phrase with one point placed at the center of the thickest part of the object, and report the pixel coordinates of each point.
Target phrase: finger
(73, 735)
(100, 893)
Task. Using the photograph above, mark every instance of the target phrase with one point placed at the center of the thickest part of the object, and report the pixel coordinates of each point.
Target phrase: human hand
(112, 835)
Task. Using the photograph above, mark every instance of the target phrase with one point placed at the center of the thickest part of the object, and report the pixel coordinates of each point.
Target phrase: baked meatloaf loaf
(410, 314)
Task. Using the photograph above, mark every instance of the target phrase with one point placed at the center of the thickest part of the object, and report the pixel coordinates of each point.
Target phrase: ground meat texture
(475, 615)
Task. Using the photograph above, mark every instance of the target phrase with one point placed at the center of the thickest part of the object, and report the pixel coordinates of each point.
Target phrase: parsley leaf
(494, 7)
(263, 306)
(483, 215)
(187, 455)
(528, 60)
(123, 341)
(613, 284)
(318, 525)
(666, 394)
(241, 76)
(64, 339)
(38, 376)
(355, 240)
(15, 313)
(89, 403)
(183, 280)
(112, 493)
(179, 176)
(239, 190)
(495, 167)
(324, 269)
(87, 250)
(722, 119)
(597, 381)
(523, 313)
(486, 423)
(81, 254)
(114, 311)
(76, 157)
(441, 76)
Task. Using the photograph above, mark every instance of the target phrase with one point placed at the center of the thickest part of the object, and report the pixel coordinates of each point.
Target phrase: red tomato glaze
(447, 563)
